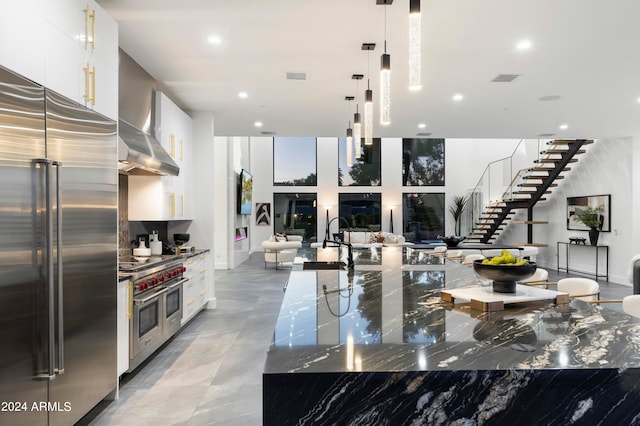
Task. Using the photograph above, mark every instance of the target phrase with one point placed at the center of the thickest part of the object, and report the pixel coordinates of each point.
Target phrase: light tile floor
(211, 372)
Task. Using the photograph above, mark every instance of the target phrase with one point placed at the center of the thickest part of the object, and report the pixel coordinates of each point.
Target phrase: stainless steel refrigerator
(58, 255)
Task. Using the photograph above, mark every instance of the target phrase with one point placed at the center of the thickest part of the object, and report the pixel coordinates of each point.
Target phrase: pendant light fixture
(385, 74)
(415, 28)
(357, 134)
(368, 100)
(349, 144)
(357, 124)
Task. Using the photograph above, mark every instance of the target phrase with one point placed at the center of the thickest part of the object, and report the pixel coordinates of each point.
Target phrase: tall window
(295, 214)
(362, 211)
(365, 170)
(422, 216)
(422, 162)
(294, 162)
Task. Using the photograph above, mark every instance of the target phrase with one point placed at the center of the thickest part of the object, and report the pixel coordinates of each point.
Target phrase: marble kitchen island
(378, 346)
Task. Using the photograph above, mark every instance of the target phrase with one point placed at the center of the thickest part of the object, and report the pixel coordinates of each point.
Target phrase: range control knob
(161, 278)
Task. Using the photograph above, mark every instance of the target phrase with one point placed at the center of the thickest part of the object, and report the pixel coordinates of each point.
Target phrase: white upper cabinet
(82, 54)
(23, 35)
(68, 46)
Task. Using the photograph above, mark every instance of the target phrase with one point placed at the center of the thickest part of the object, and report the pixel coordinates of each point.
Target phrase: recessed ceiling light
(214, 39)
(563, 126)
(243, 95)
(524, 44)
(457, 97)
(258, 124)
(421, 126)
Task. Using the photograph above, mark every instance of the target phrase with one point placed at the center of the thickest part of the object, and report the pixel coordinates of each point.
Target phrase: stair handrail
(476, 211)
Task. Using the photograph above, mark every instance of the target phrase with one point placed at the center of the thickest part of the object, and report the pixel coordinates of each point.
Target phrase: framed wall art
(263, 214)
(577, 206)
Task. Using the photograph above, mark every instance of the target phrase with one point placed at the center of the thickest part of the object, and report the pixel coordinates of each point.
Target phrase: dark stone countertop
(392, 319)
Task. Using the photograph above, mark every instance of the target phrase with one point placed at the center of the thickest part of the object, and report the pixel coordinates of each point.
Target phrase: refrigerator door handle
(60, 311)
(46, 165)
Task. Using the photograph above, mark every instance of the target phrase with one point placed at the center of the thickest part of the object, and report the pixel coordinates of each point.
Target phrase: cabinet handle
(89, 84)
(190, 302)
(130, 301)
(89, 15)
(180, 149)
(87, 95)
(202, 293)
(93, 85)
(93, 29)
(172, 140)
(172, 204)
(182, 205)
(86, 26)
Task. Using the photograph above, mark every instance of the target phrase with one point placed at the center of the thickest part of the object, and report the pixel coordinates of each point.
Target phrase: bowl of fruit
(504, 270)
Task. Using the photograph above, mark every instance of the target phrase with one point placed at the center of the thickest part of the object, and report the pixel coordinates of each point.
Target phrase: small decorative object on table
(504, 270)
(591, 217)
(577, 240)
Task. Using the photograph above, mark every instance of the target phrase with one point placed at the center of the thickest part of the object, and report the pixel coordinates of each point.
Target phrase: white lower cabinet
(125, 292)
(195, 290)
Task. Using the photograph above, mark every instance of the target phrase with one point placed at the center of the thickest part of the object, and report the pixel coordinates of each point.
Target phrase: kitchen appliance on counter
(156, 303)
(181, 241)
(58, 251)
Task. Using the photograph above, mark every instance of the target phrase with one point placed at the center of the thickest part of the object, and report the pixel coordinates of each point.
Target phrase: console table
(568, 247)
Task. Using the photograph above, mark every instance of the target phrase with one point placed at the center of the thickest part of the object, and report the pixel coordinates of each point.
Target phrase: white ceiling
(587, 52)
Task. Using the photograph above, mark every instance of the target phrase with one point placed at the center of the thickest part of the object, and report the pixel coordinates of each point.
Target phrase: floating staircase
(528, 187)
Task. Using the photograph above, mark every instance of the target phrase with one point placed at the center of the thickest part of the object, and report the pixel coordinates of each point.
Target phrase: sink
(323, 265)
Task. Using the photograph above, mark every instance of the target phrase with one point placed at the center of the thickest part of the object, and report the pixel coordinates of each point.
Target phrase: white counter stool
(470, 258)
(439, 251)
(580, 288)
(454, 255)
(539, 277)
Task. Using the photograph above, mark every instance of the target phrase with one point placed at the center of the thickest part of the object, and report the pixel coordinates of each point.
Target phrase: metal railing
(500, 181)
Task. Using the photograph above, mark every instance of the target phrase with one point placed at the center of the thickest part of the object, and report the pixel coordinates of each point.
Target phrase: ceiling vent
(424, 134)
(296, 75)
(267, 133)
(505, 78)
(546, 135)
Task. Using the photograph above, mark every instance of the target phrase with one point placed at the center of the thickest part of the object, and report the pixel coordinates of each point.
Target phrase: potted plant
(591, 217)
(456, 208)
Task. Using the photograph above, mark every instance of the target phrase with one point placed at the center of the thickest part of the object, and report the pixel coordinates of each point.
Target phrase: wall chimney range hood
(139, 153)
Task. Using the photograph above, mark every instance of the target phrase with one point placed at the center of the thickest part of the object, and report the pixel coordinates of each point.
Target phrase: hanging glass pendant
(414, 45)
(368, 116)
(385, 89)
(349, 146)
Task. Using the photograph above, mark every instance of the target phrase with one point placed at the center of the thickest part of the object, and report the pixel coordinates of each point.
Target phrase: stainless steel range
(157, 302)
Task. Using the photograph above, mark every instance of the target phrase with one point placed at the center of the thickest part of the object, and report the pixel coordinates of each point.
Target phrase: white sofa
(280, 250)
(368, 239)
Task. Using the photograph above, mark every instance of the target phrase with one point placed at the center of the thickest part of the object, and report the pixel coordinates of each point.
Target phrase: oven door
(146, 326)
(172, 302)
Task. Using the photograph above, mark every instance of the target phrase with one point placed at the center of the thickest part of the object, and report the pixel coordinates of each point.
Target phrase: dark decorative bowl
(452, 240)
(181, 239)
(504, 276)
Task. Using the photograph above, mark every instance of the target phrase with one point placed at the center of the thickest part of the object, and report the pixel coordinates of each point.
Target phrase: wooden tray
(483, 298)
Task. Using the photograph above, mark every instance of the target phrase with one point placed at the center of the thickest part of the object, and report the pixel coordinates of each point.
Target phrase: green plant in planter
(456, 208)
(590, 217)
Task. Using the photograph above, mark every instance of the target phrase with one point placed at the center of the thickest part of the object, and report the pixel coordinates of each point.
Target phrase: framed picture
(577, 205)
(263, 214)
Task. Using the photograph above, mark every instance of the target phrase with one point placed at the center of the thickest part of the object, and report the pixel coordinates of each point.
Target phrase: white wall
(202, 229)
(606, 168)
